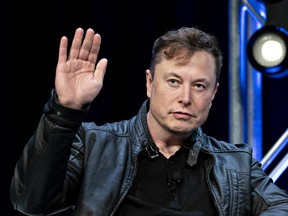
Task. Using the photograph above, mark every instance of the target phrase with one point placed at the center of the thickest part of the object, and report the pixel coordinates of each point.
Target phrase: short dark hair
(187, 40)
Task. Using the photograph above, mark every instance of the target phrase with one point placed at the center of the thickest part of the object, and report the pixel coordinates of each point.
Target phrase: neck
(167, 142)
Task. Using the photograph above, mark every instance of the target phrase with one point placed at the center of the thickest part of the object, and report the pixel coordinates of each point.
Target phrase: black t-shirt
(169, 187)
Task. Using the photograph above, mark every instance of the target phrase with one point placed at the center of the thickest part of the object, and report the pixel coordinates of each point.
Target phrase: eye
(200, 87)
(173, 82)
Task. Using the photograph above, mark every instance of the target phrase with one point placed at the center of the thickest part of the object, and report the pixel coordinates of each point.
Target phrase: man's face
(181, 95)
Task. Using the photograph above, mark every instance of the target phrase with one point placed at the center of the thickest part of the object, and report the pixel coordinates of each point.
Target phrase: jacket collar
(140, 134)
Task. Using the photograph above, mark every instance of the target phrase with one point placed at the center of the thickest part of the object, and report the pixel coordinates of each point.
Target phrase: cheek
(155, 92)
(203, 105)
(165, 96)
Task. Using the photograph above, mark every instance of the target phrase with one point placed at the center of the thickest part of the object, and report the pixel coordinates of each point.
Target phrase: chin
(181, 131)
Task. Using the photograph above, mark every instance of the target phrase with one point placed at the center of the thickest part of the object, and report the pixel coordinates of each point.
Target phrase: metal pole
(275, 150)
(235, 107)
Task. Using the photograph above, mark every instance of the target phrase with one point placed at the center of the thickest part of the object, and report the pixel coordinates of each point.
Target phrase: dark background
(128, 31)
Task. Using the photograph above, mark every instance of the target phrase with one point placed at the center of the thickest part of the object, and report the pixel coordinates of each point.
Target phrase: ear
(149, 81)
(214, 93)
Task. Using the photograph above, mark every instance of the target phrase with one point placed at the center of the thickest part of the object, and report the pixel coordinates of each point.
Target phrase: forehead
(197, 66)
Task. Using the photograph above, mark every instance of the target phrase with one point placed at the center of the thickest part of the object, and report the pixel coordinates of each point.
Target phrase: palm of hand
(75, 83)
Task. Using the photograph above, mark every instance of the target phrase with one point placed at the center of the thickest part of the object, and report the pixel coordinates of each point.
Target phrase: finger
(76, 43)
(87, 44)
(93, 54)
(62, 57)
(100, 70)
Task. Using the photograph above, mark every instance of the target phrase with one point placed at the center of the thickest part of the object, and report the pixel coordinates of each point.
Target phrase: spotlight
(267, 51)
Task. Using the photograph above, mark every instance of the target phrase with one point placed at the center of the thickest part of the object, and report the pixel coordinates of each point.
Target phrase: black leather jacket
(102, 160)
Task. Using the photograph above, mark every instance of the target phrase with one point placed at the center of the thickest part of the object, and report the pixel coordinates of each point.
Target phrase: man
(159, 162)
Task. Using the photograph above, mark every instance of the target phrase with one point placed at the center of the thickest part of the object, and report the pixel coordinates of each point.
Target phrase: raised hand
(78, 78)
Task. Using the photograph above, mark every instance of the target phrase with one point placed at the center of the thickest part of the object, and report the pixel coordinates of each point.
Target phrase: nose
(185, 95)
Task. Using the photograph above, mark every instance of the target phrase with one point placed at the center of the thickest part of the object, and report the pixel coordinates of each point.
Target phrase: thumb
(100, 69)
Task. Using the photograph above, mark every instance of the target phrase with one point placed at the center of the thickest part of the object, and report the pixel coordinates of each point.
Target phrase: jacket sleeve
(46, 175)
(267, 198)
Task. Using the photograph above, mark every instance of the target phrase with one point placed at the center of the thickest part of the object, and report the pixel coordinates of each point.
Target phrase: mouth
(183, 115)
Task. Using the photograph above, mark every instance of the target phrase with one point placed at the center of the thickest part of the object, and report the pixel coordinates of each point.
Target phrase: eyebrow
(197, 80)
(173, 74)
